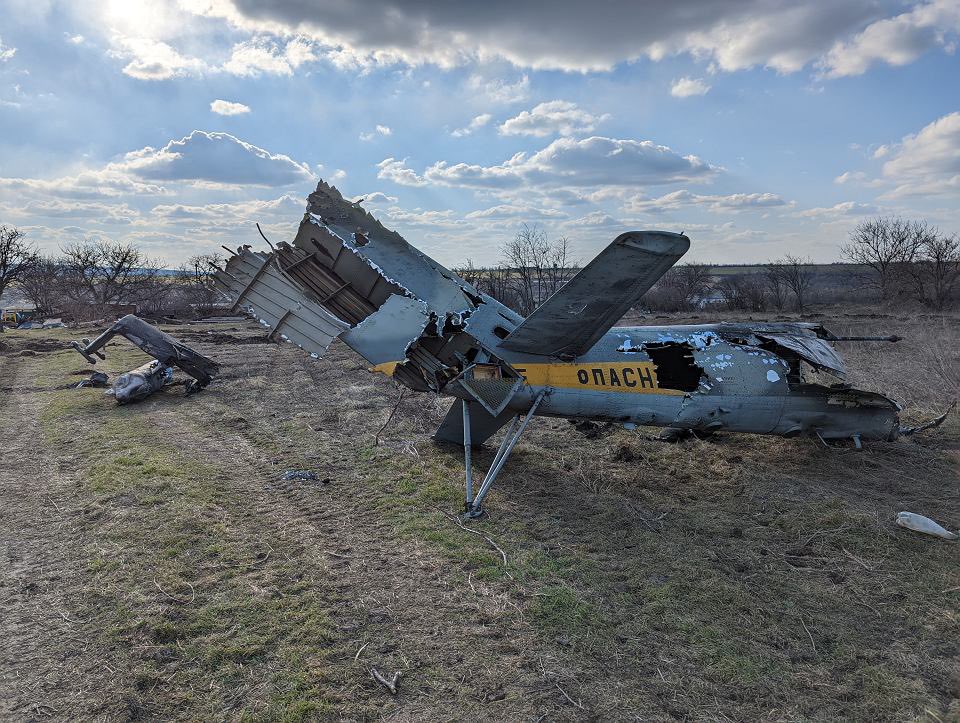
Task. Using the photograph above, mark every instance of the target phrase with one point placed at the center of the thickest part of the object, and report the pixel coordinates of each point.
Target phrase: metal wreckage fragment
(143, 381)
(345, 275)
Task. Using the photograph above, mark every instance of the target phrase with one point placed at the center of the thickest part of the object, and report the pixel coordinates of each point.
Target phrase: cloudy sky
(759, 127)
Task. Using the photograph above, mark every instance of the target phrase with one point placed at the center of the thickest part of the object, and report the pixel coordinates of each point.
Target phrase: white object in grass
(919, 523)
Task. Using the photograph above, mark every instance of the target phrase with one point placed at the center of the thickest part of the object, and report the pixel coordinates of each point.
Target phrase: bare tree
(196, 282)
(887, 246)
(497, 281)
(539, 266)
(776, 285)
(43, 285)
(797, 275)
(101, 273)
(16, 256)
(681, 288)
(938, 270)
(744, 292)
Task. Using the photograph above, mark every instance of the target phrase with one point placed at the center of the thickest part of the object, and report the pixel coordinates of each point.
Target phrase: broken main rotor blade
(163, 347)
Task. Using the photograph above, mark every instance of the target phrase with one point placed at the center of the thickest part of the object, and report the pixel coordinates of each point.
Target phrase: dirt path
(464, 650)
(51, 664)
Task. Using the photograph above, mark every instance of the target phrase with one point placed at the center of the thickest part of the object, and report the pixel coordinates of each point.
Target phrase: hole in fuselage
(676, 367)
(500, 332)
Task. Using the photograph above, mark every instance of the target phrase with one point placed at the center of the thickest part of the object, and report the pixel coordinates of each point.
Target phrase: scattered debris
(300, 475)
(391, 684)
(141, 382)
(935, 422)
(97, 379)
(919, 523)
(166, 351)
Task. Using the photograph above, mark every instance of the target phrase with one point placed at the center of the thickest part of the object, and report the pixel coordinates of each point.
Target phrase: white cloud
(247, 212)
(262, 56)
(108, 182)
(847, 208)
(499, 91)
(515, 211)
(555, 116)
(927, 163)
(228, 107)
(686, 87)
(379, 130)
(377, 197)
(394, 170)
(680, 199)
(6, 52)
(219, 158)
(154, 60)
(215, 160)
(418, 218)
(896, 41)
(566, 162)
(477, 123)
(850, 177)
(594, 219)
(116, 213)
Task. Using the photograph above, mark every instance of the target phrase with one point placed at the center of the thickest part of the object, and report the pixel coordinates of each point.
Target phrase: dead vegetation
(158, 566)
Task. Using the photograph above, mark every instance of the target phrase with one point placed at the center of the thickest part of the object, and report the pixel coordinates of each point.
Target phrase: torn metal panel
(572, 320)
(811, 349)
(255, 284)
(140, 383)
(154, 342)
(808, 342)
(361, 233)
(384, 336)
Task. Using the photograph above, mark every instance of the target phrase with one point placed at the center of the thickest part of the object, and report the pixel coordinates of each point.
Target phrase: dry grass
(737, 577)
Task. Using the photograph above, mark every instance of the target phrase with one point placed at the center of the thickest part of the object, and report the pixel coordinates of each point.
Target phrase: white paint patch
(772, 376)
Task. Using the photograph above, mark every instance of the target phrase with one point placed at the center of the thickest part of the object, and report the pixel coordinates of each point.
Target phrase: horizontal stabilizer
(571, 321)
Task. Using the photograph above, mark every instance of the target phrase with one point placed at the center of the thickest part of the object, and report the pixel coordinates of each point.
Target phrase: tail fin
(572, 320)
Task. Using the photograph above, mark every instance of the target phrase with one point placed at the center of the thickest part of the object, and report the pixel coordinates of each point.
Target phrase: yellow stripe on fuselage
(634, 378)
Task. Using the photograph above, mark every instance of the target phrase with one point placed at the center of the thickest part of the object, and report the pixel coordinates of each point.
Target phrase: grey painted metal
(278, 303)
(140, 383)
(442, 290)
(572, 320)
(504, 454)
(482, 424)
(467, 449)
(154, 342)
(815, 351)
(385, 335)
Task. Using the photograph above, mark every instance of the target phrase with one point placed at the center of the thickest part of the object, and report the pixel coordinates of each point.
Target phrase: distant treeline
(888, 261)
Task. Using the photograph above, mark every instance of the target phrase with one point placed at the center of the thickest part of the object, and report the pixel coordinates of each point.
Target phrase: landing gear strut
(472, 505)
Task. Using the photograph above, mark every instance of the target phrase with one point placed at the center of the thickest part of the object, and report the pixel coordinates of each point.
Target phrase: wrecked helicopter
(346, 276)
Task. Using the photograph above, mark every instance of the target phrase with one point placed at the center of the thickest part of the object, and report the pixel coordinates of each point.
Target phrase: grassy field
(157, 565)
